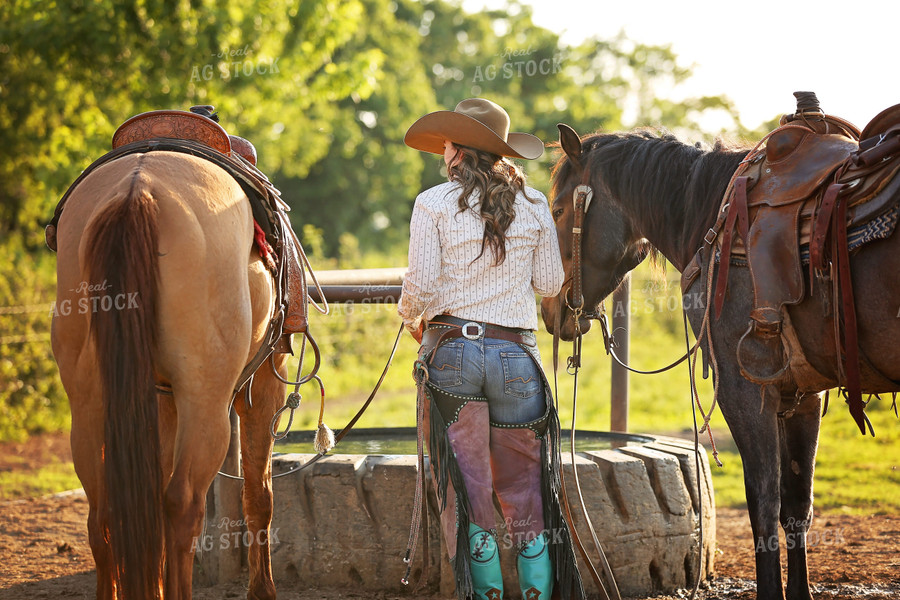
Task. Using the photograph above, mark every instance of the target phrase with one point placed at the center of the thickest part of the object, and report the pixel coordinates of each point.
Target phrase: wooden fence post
(621, 321)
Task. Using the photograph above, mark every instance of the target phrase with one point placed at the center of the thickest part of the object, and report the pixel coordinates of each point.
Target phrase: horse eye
(557, 214)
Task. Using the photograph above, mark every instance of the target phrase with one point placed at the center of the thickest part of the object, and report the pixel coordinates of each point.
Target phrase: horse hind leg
(87, 445)
(799, 441)
(197, 457)
(256, 453)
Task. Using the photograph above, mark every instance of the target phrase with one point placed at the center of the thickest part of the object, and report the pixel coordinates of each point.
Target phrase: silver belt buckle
(479, 330)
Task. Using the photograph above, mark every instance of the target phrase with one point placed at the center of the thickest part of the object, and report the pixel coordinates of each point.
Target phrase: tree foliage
(325, 89)
(71, 72)
(436, 54)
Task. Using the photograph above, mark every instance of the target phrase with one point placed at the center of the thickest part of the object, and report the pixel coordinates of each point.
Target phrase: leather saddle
(811, 181)
(776, 200)
(198, 133)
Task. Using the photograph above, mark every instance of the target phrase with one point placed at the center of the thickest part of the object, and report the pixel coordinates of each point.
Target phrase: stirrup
(535, 569)
(484, 564)
(759, 378)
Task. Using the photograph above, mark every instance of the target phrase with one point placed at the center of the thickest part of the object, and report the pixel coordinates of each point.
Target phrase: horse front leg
(756, 435)
(256, 455)
(799, 441)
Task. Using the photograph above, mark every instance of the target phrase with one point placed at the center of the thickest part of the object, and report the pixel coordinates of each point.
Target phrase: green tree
(501, 54)
(364, 186)
(71, 72)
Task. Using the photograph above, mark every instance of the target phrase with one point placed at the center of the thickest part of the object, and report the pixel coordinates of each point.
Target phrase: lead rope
(293, 399)
(706, 329)
(343, 432)
(566, 505)
(700, 496)
(324, 436)
(420, 373)
(603, 560)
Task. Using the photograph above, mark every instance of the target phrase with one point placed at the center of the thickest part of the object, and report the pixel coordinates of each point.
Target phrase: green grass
(49, 479)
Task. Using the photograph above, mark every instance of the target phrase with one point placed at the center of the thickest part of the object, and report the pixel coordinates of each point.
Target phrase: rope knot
(420, 372)
(293, 400)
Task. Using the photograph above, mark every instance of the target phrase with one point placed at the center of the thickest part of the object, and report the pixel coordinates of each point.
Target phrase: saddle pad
(879, 228)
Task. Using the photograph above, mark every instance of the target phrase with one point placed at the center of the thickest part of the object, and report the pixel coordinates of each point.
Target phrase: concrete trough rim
(358, 433)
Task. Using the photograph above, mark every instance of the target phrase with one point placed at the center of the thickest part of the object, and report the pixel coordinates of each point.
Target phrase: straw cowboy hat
(477, 123)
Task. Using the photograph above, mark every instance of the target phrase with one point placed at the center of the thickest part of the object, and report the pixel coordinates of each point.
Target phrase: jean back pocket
(445, 369)
(520, 375)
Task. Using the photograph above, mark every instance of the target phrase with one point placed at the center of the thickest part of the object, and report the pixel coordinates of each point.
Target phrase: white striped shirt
(445, 277)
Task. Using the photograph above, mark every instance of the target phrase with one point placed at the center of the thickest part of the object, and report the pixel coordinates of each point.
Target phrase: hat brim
(429, 132)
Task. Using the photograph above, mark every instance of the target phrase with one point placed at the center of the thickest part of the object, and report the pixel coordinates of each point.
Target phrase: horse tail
(122, 252)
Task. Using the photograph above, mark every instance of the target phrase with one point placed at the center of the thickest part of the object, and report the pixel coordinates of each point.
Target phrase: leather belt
(475, 330)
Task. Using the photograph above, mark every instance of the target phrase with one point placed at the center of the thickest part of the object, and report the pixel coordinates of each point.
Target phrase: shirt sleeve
(547, 269)
(424, 270)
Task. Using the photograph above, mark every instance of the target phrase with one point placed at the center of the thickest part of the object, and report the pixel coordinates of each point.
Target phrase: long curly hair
(497, 181)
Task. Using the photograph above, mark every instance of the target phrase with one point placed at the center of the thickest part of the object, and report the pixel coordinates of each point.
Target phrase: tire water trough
(344, 522)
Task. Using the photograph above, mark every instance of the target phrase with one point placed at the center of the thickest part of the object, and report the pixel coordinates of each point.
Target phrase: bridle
(581, 200)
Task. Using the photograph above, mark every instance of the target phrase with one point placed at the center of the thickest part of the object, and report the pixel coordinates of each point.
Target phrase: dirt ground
(44, 552)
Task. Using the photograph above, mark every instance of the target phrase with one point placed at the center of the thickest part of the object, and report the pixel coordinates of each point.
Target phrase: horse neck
(677, 198)
(660, 218)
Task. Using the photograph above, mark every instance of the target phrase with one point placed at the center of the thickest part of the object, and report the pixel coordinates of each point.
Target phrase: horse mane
(659, 180)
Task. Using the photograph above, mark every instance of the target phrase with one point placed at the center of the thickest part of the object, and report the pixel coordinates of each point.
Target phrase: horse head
(610, 246)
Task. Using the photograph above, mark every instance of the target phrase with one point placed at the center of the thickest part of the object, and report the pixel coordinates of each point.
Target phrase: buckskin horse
(159, 283)
(654, 193)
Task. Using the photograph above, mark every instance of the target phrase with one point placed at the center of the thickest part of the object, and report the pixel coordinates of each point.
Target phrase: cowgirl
(481, 245)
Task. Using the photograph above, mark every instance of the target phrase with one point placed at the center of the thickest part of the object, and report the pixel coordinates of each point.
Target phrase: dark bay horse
(654, 192)
(159, 282)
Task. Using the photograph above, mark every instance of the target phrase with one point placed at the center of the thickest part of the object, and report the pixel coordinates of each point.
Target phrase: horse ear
(570, 142)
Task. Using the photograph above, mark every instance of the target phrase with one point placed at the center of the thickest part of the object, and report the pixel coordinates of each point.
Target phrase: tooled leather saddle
(198, 133)
(790, 204)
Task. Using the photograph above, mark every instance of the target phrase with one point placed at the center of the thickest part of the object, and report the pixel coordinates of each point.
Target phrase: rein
(609, 343)
(293, 402)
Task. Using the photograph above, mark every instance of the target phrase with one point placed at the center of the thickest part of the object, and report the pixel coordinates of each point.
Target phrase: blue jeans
(500, 371)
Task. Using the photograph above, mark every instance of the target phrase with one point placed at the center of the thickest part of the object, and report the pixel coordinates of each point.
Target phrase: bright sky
(758, 52)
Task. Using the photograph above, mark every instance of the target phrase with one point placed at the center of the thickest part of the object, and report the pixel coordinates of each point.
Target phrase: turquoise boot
(487, 580)
(535, 569)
